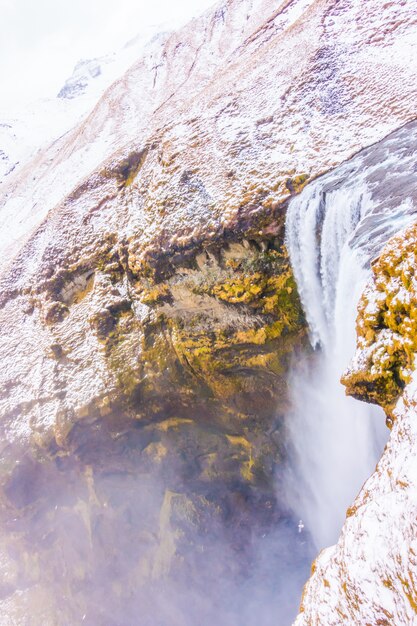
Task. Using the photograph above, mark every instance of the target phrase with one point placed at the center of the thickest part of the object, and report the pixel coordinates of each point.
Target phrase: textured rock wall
(145, 446)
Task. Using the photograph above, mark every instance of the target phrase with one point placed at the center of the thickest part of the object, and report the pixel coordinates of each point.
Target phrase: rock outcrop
(149, 313)
(157, 385)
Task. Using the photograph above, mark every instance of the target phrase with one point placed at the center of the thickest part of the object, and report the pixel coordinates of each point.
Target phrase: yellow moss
(238, 440)
(155, 294)
(297, 183)
(387, 326)
(242, 289)
(213, 355)
(273, 331)
(255, 336)
(171, 422)
(188, 352)
(262, 360)
(198, 343)
(268, 287)
(246, 470)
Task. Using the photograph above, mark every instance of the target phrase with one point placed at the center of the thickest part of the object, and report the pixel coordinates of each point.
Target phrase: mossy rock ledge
(387, 327)
(167, 447)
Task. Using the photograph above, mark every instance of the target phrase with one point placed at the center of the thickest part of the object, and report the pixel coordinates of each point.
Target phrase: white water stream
(334, 228)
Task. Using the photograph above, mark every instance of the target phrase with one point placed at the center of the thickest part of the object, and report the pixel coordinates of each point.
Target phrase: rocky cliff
(149, 313)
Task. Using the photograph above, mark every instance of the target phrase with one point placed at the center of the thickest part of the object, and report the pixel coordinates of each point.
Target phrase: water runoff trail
(335, 227)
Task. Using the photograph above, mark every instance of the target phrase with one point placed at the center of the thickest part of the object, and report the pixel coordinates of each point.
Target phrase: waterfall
(335, 227)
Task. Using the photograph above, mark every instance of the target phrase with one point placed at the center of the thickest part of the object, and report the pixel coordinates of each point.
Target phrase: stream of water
(335, 227)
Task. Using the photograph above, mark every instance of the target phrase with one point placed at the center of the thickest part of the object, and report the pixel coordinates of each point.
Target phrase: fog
(40, 43)
(102, 537)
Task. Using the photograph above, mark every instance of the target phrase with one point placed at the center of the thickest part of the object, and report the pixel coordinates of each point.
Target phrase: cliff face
(149, 313)
(149, 432)
(370, 576)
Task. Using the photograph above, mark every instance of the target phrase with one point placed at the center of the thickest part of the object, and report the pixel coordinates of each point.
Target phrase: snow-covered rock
(257, 91)
(34, 126)
(84, 72)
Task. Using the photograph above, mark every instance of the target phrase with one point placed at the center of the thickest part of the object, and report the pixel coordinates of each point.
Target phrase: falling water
(335, 227)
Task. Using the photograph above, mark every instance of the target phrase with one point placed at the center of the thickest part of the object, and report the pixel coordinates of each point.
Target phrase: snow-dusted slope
(186, 162)
(28, 130)
(253, 88)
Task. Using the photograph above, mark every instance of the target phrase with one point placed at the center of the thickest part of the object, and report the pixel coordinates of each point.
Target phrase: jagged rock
(84, 71)
(188, 358)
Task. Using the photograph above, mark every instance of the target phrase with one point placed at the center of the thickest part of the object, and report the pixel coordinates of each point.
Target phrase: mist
(100, 537)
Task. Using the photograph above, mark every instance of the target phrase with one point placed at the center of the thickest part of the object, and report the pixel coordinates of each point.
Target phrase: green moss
(265, 283)
(221, 357)
(179, 352)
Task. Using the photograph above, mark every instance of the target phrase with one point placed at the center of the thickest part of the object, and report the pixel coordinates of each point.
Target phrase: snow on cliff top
(218, 119)
(245, 96)
(33, 126)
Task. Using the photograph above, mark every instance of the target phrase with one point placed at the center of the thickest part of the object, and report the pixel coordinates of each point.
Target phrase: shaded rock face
(151, 473)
